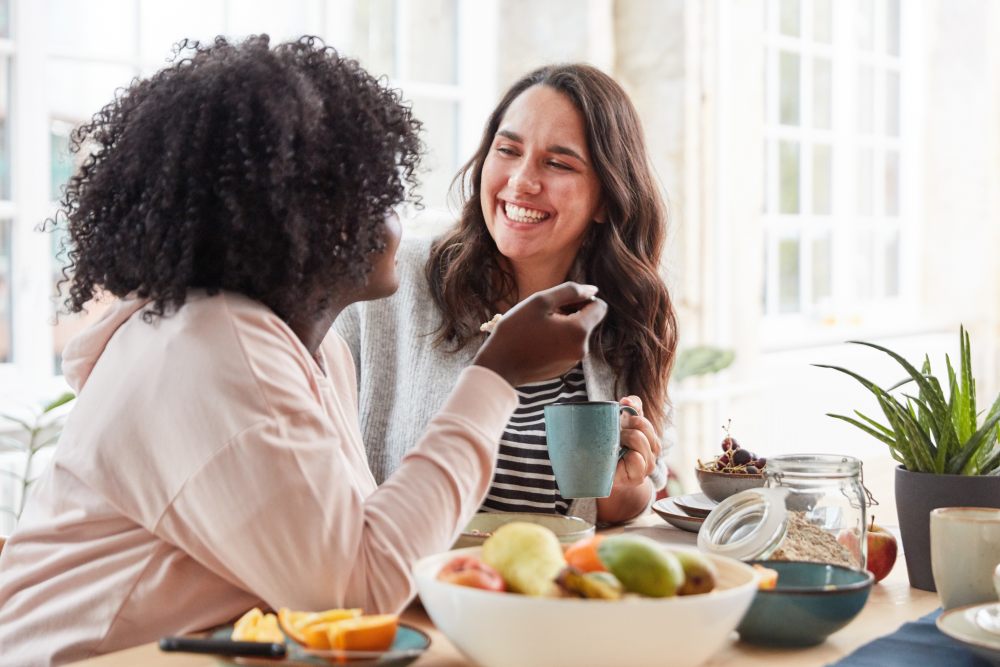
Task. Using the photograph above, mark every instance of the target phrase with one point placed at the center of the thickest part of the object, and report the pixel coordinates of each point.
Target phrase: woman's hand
(537, 340)
(632, 489)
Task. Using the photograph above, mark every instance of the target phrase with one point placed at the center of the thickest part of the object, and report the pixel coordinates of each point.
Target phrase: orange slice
(365, 633)
(255, 626)
(309, 628)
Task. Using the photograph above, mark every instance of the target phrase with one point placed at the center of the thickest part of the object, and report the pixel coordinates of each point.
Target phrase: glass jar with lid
(812, 508)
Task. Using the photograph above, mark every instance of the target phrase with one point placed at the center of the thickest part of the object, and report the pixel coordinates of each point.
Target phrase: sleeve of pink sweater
(288, 509)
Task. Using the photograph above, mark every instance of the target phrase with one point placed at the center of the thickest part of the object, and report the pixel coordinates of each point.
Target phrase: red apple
(881, 551)
(469, 571)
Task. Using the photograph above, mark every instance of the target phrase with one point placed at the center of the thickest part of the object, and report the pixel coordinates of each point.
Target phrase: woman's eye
(559, 165)
(506, 150)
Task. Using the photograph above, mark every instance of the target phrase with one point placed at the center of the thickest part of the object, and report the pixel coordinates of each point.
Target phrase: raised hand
(539, 338)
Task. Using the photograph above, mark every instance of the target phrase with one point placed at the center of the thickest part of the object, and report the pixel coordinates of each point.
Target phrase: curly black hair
(238, 167)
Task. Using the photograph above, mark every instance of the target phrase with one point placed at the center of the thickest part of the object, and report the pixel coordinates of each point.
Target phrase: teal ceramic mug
(584, 442)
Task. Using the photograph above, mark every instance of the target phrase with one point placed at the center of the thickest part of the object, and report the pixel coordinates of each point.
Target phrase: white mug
(965, 550)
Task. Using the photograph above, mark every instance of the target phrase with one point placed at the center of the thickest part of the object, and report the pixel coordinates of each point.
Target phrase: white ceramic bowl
(509, 630)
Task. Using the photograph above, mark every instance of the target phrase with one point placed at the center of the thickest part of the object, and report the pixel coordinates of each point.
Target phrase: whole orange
(583, 555)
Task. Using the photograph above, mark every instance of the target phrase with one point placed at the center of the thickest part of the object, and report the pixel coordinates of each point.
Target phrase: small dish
(960, 624)
(568, 529)
(810, 602)
(720, 485)
(676, 517)
(696, 504)
(409, 644)
(988, 618)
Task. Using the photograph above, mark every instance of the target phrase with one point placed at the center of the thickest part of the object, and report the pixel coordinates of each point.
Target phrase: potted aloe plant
(947, 449)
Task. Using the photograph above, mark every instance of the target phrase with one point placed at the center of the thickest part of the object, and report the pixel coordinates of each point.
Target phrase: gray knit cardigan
(403, 378)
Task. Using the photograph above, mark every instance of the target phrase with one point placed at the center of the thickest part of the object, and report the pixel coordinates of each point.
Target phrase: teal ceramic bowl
(810, 602)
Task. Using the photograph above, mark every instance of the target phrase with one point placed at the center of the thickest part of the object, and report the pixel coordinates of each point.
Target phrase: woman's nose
(523, 179)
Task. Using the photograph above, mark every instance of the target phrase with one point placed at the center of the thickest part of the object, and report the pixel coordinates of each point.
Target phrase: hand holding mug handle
(622, 449)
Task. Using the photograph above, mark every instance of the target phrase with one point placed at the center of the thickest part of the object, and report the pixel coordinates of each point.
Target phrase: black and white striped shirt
(523, 481)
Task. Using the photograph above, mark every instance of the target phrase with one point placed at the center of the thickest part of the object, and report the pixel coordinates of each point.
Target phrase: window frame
(843, 313)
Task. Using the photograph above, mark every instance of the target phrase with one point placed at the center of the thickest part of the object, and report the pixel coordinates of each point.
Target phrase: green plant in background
(701, 360)
(929, 432)
(32, 436)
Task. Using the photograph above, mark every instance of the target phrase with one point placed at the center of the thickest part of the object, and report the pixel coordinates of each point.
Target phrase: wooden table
(892, 603)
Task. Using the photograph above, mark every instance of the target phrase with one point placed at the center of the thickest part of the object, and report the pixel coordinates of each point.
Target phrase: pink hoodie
(211, 464)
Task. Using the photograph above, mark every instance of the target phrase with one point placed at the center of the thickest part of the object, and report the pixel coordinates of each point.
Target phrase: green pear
(700, 575)
(528, 557)
(642, 565)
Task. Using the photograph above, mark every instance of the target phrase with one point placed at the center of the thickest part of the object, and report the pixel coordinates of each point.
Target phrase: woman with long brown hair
(559, 188)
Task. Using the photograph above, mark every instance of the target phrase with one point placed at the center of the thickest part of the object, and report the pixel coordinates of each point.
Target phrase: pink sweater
(210, 465)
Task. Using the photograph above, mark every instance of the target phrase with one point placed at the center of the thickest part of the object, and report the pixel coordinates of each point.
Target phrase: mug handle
(632, 411)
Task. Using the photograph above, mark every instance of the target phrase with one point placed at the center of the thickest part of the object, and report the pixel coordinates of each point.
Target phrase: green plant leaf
(932, 394)
(61, 400)
(867, 429)
(886, 430)
(984, 437)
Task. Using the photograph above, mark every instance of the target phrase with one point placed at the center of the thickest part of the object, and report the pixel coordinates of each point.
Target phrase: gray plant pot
(917, 493)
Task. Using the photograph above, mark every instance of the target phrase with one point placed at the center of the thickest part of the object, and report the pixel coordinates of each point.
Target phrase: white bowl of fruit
(522, 600)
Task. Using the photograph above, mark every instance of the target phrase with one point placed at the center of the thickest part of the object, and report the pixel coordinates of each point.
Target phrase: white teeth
(521, 214)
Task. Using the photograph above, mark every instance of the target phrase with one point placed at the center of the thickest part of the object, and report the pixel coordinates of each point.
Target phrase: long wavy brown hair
(638, 338)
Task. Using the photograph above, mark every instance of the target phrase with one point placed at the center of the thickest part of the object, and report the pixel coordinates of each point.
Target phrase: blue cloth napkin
(915, 643)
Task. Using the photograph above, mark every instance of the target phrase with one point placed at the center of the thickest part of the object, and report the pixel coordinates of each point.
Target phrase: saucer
(675, 516)
(960, 624)
(696, 504)
(988, 618)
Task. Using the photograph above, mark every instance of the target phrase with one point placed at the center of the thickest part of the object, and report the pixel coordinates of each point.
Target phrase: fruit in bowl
(735, 469)
(495, 629)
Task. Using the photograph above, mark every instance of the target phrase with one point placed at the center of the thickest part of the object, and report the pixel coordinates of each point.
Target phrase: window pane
(440, 118)
(788, 276)
(77, 90)
(866, 188)
(822, 93)
(433, 41)
(4, 18)
(892, 183)
(823, 21)
(789, 87)
(788, 156)
(892, 27)
(5, 128)
(61, 159)
(5, 273)
(96, 29)
(822, 178)
(862, 268)
(892, 104)
(166, 23)
(866, 24)
(822, 269)
(892, 265)
(866, 99)
(375, 20)
(790, 18)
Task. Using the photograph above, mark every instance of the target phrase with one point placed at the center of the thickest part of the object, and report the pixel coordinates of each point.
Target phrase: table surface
(892, 603)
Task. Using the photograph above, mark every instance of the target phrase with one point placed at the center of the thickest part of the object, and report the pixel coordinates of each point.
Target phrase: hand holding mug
(640, 446)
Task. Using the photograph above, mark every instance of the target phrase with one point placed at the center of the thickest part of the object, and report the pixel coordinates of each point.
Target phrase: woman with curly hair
(235, 203)
(559, 188)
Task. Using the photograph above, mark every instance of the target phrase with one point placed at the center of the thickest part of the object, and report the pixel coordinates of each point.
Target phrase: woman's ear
(600, 215)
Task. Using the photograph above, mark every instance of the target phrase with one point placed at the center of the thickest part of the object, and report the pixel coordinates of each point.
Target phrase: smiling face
(539, 190)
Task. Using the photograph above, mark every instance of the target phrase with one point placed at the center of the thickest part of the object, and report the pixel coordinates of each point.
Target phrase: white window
(836, 231)
(436, 51)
